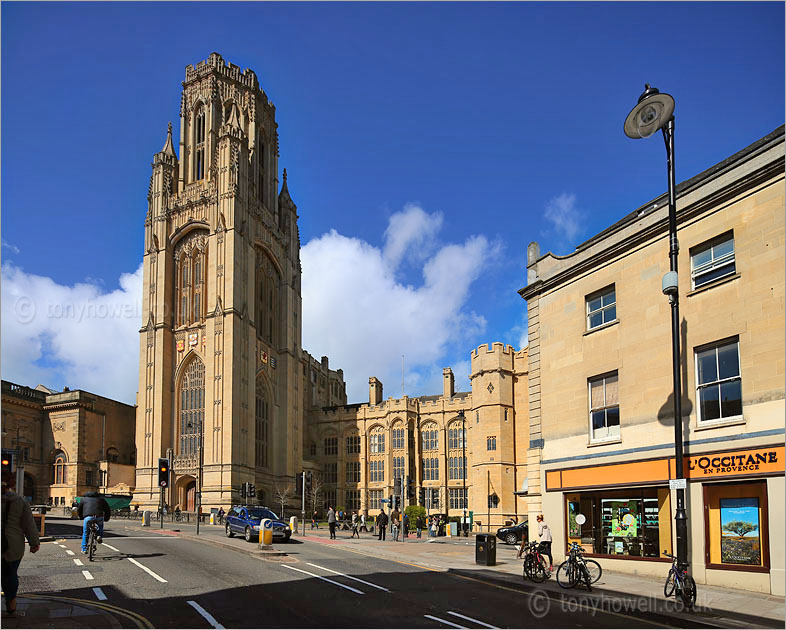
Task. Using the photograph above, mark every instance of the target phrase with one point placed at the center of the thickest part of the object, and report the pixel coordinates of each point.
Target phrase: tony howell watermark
(26, 309)
(542, 603)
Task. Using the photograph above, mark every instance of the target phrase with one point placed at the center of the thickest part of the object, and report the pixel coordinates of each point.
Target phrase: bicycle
(536, 566)
(680, 582)
(92, 536)
(578, 569)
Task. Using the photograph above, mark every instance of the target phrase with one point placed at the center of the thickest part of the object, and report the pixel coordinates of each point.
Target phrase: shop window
(633, 523)
(737, 528)
(601, 307)
(604, 408)
(712, 260)
(718, 382)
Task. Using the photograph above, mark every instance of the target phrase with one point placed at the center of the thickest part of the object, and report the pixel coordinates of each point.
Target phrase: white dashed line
(445, 621)
(78, 562)
(381, 588)
(110, 546)
(99, 593)
(144, 568)
(210, 619)
(63, 546)
(70, 553)
(88, 575)
(349, 588)
(482, 623)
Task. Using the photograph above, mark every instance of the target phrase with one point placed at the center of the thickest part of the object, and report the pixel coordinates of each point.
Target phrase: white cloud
(359, 315)
(566, 219)
(80, 336)
(12, 248)
(411, 230)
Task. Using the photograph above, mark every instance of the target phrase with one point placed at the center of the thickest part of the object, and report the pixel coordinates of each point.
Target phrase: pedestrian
(544, 533)
(221, 515)
(394, 523)
(314, 523)
(419, 524)
(363, 522)
(355, 524)
(18, 524)
(405, 525)
(331, 519)
(382, 522)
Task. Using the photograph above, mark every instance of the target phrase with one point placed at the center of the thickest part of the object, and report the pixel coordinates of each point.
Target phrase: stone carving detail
(58, 426)
(188, 244)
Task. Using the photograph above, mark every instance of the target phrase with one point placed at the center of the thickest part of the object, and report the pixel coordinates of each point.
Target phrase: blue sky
(477, 126)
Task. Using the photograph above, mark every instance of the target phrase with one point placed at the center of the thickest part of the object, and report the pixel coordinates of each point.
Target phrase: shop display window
(621, 523)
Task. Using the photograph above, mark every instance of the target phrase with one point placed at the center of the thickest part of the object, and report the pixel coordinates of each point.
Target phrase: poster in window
(624, 523)
(574, 528)
(740, 533)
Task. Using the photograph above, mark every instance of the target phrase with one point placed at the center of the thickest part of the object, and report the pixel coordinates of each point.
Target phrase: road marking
(111, 547)
(139, 620)
(63, 546)
(70, 553)
(144, 568)
(445, 621)
(99, 593)
(455, 614)
(349, 588)
(78, 562)
(210, 619)
(88, 575)
(350, 577)
(158, 537)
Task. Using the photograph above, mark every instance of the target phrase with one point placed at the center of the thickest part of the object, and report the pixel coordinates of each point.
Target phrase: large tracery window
(268, 281)
(191, 259)
(262, 427)
(192, 407)
(199, 143)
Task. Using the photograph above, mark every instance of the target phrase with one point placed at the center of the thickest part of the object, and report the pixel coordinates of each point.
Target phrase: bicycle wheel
(91, 544)
(668, 587)
(585, 576)
(688, 591)
(529, 566)
(594, 569)
(539, 572)
(566, 575)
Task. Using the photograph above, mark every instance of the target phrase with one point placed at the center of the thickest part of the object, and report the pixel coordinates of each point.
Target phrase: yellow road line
(139, 620)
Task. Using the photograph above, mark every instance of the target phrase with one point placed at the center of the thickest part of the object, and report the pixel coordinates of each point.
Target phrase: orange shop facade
(735, 505)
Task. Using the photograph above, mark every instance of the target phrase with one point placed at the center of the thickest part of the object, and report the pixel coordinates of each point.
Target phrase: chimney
(374, 391)
(448, 383)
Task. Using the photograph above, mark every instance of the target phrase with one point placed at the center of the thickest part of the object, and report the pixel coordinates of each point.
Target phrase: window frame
(600, 294)
(718, 382)
(604, 407)
(714, 264)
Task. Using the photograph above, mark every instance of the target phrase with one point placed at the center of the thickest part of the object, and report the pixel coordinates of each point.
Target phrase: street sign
(677, 484)
(383, 500)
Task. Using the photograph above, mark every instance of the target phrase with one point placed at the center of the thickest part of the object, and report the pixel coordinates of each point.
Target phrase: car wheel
(511, 539)
(229, 531)
(248, 534)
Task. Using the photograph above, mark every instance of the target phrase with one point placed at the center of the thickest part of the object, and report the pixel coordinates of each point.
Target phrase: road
(158, 579)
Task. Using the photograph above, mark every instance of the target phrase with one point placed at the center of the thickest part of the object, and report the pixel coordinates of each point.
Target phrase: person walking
(355, 524)
(18, 524)
(221, 515)
(419, 524)
(394, 523)
(331, 519)
(544, 533)
(382, 522)
(314, 523)
(94, 508)
(363, 522)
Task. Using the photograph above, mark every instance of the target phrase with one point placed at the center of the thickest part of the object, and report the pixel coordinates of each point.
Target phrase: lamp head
(650, 114)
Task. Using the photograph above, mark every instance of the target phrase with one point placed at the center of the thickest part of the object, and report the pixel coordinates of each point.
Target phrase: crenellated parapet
(497, 357)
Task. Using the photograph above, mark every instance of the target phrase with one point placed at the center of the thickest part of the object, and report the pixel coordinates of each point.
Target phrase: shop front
(623, 514)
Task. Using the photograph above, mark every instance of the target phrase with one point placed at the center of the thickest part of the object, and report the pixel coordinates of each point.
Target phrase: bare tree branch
(283, 494)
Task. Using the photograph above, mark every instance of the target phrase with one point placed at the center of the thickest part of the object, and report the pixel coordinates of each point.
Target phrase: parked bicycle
(679, 583)
(577, 569)
(536, 565)
(92, 539)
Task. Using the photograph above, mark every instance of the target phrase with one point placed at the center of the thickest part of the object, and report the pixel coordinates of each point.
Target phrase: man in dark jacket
(93, 508)
(382, 521)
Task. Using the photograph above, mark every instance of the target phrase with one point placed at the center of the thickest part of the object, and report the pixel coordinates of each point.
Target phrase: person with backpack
(93, 508)
(18, 524)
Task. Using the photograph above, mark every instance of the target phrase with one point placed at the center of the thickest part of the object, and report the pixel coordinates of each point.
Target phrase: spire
(284, 186)
(169, 149)
(284, 200)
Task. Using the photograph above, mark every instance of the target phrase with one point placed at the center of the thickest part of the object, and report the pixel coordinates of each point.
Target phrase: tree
(740, 528)
(283, 494)
(316, 490)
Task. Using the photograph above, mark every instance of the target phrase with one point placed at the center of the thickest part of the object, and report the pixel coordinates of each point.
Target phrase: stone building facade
(68, 442)
(361, 449)
(600, 373)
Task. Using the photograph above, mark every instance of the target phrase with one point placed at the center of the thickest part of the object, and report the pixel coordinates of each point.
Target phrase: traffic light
(299, 483)
(252, 490)
(410, 488)
(390, 501)
(163, 472)
(422, 496)
(398, 502)
(308, 481)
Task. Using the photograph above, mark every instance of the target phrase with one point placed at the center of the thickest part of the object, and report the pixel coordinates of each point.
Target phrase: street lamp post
(656, 111)
(199, 484)
(464, 468)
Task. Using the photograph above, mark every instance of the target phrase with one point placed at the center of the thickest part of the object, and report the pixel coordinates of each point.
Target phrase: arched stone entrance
(185, 493)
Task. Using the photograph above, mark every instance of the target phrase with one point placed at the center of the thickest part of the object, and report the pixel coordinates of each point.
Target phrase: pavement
(616, 592)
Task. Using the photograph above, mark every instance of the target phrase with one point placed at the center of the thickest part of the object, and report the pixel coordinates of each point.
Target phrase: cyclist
(93, 508)
(545, 540)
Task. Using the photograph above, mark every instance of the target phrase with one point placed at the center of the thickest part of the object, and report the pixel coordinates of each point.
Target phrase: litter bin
(485, 550)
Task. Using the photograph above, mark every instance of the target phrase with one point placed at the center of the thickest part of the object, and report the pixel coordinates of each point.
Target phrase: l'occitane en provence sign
(744, 462)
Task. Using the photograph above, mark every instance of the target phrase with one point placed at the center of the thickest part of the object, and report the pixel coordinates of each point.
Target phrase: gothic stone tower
(221, 340)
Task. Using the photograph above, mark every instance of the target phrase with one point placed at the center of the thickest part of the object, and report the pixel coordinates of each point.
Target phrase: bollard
(293, 524)
(447, 530)
(266, 532)
(212, 518)
(146, 518)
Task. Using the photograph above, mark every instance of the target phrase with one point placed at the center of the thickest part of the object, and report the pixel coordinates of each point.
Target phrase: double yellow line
(138, 620)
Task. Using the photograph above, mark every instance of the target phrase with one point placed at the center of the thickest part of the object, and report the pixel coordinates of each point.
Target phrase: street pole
(656, 111)
(201, 464)
(303, 503)
(464, 465)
